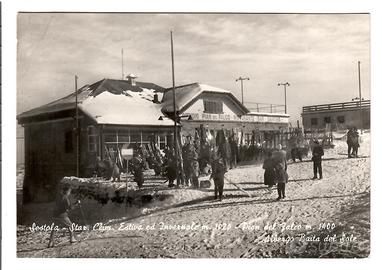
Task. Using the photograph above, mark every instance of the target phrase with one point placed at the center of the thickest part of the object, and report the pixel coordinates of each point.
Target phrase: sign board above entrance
(235, 118)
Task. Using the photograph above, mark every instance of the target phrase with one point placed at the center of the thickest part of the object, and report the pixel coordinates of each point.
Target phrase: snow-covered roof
(111, 102)
(128, 108)
(187, 93)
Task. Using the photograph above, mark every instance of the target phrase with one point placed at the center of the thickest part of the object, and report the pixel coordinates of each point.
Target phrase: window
(135, 137)
(327, 120)
(69, 141)
(314, 121)
(213, 106)
(110, 137)
(162, 141)
(92, 139)
(341, 119)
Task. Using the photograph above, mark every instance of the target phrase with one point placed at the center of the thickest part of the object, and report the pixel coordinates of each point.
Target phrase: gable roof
(187, 94)
(111, 101)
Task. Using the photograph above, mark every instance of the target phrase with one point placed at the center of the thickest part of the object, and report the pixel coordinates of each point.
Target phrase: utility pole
(285, 99)
(241, 83)
(175, 114)
(77, 130)
(360, 94)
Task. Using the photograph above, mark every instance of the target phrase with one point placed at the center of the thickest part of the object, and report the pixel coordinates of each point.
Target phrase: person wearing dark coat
(281, 175)
(355, 142)
(269, 173)
(170, 171)
(349, 141)
(295, 151)
(170, 167)
(317, 154)
(138, 166)
(218, 170)
(61, 214)
(234, 151)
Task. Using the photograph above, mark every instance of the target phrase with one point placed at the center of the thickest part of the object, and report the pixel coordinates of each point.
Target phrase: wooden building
(217, 109)
(337, 116)
(125, 113)
(111, 113)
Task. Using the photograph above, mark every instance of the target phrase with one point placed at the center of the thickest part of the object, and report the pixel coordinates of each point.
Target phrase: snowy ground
(319, 218)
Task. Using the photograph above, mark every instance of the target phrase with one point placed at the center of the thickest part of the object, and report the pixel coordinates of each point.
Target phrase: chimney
(156, 98)
(131, 79)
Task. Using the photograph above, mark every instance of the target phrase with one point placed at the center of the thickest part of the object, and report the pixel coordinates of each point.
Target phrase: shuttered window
(213, 106)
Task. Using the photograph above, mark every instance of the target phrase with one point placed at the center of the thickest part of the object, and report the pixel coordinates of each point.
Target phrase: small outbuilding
(111, 114)
(337, 116)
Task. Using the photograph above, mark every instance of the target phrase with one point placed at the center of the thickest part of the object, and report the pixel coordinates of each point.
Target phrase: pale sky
(316, 54)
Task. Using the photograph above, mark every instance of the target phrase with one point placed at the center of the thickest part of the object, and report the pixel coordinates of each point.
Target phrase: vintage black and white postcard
(193, 135)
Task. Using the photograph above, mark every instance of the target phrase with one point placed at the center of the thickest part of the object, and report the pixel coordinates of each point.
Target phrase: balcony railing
(336, 106)
(265, 107)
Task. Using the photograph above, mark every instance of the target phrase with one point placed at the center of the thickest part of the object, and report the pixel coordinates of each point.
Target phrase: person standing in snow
(281, 175)
(349, 141)
(317, 154)
(295, 150)
(355, 142)
(61, 214)
(138, 166)
(170, 166)
(269, 173)
(218, 165)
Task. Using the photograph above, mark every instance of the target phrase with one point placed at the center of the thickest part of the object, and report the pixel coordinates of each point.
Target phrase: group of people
(352, 142)
(275, 166)
(195, 162)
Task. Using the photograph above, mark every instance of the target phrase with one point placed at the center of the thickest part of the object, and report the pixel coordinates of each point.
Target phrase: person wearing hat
(281, 175)
(61, 214)
(317, 154)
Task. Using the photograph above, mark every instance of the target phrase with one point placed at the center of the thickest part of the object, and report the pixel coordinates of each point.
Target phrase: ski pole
(82, 214)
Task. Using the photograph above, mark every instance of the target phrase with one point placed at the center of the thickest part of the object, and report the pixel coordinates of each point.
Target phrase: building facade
(125, 114)
(337, 116)
(218, 109)
(112, 114)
